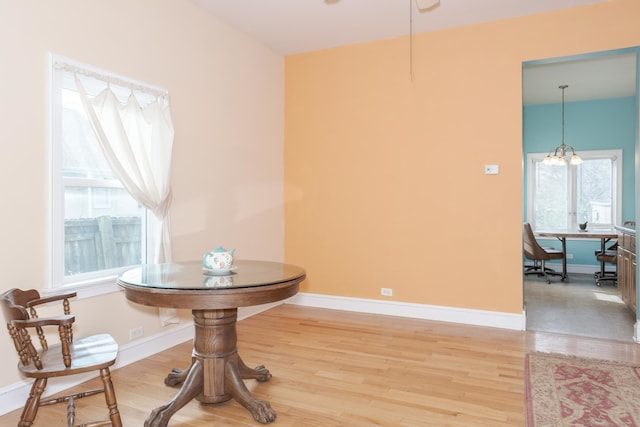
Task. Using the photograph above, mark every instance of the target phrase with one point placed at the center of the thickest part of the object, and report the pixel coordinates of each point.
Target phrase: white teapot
(218, 259)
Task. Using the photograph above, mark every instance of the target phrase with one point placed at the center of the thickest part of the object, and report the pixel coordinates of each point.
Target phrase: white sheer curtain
(137, 143)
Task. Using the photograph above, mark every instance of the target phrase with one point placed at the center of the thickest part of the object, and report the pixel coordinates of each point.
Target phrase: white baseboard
(577, 268)
(13, 396)
(417, 311)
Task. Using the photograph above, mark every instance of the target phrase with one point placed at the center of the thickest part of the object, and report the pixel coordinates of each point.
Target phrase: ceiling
(593, 77)
(296, 26)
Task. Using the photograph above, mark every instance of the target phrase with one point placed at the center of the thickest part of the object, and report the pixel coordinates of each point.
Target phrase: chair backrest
(530, 245)
(14, 307)
(20, 315)
(14, 301)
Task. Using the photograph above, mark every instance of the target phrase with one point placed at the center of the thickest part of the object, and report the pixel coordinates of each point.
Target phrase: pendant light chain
(560, 153)
(411, 39)
(563, 87)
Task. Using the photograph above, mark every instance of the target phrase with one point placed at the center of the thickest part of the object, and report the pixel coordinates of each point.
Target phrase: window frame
(93, 283)
(614, 154)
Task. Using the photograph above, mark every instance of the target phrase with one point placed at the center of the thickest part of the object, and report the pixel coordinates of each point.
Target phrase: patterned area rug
(569, 391)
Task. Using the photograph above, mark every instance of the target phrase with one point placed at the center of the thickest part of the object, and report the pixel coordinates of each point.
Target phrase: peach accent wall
(227, 104)
(384, 165)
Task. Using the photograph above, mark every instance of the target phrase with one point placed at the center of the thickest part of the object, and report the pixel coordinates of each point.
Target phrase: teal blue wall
(589, 125)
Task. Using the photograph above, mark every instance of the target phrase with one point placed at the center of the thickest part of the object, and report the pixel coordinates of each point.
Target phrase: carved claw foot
(176, 377)
(259, 373)
(159, 417)
(192, 387)
(260, 410)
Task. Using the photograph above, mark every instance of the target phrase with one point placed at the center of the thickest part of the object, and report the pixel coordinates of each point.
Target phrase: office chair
(539, 255)
(70, 356)
(610, 255)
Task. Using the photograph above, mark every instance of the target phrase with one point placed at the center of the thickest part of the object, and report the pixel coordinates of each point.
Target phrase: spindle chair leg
(33, 402)
(71, 412)
(110, 397)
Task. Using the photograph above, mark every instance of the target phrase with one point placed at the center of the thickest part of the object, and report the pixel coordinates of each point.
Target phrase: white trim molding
(417, 311)
(576, 268)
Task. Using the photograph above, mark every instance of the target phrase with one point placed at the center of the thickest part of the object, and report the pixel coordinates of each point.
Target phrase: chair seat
(608, 252)
(554, 254)
(87, 355)
(608, 256)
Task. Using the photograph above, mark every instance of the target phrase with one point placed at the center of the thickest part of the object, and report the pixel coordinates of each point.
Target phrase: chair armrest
(51, 299)
(31, 305)
(64, 320)
(25, 346)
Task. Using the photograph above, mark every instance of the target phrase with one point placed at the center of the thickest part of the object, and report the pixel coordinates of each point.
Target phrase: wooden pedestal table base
(216, 373)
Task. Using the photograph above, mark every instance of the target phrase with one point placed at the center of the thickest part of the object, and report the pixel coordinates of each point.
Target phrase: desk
(216, 372)
(603, 234)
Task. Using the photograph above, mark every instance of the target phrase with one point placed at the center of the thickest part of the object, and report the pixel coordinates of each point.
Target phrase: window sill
(87, 289)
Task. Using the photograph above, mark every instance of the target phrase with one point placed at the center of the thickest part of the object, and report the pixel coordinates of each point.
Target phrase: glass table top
(192, 276)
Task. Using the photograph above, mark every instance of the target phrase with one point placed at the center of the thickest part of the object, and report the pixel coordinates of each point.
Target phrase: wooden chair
(68, 357)
(539, 255)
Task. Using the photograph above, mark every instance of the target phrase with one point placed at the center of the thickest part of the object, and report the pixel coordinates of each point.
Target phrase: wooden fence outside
(93, 244)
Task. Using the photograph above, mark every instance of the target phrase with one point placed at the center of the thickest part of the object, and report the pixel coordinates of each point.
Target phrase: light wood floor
(335, 368)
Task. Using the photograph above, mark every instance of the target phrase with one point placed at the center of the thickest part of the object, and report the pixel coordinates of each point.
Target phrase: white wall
(227, 106)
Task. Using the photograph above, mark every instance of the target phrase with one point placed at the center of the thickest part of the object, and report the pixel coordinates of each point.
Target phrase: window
(98, 229)
(561, 197)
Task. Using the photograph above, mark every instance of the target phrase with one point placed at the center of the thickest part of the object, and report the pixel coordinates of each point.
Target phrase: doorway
(597, 80)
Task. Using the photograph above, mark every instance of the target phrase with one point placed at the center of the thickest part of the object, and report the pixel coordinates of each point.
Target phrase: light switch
(491, 169)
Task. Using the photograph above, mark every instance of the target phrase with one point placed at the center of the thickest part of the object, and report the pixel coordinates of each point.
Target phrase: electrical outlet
(569, 256)
(136, 333)
(387, 292)
(491, 169)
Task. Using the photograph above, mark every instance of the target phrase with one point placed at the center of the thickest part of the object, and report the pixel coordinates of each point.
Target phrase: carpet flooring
(569, 391)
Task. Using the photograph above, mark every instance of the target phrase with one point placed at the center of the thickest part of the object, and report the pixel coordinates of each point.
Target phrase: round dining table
(216, 372)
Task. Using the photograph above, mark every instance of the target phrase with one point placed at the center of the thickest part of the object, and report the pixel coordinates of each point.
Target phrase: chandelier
(559, 156)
